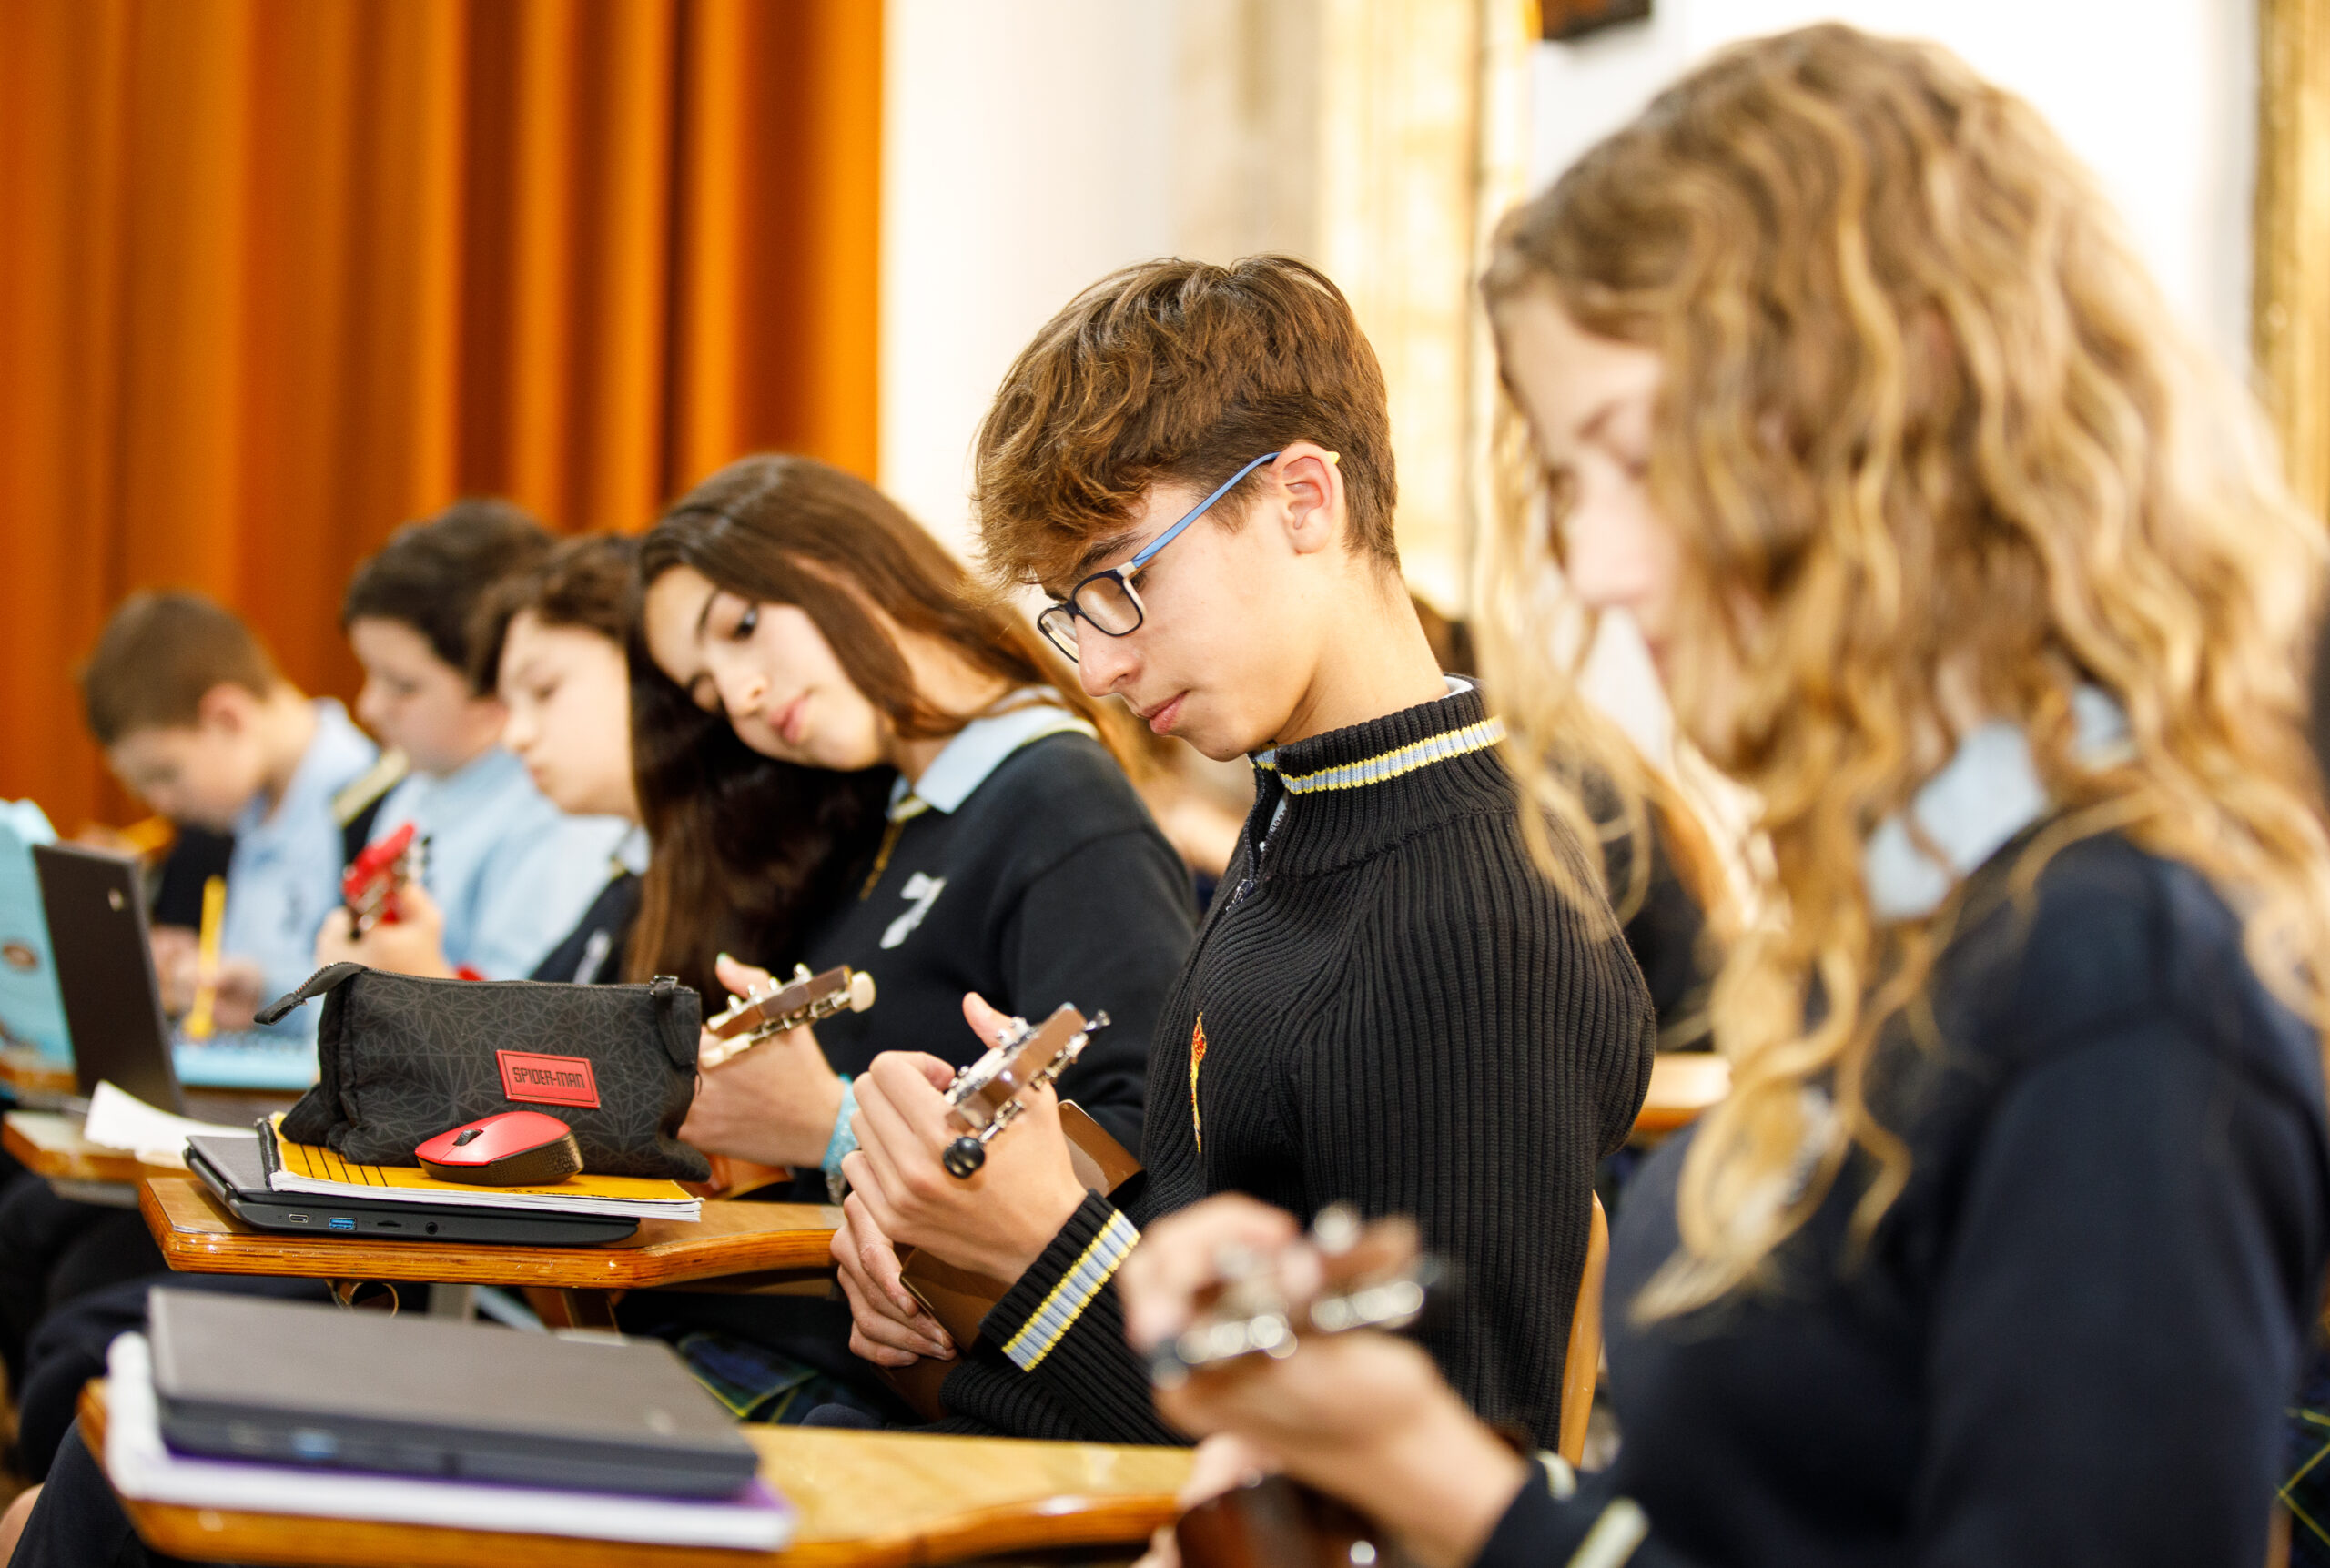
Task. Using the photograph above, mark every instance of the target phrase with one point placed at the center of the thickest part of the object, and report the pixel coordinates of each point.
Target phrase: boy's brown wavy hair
(1176, 372)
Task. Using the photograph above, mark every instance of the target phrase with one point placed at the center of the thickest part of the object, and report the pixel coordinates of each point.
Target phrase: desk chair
(1583, 1368)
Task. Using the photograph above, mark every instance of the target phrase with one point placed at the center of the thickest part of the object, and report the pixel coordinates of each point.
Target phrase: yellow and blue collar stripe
(1392, 763)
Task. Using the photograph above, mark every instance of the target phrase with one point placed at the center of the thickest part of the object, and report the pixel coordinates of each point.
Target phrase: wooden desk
(1683, 1085)
(773, 1245)
(867, 1499)
(49, 1144)
(31, 1075)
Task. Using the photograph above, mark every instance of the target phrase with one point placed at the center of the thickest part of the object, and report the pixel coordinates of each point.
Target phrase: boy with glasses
(1388, 1005)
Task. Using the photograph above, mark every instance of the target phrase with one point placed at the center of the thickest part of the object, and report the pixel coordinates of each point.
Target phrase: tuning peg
(963, 1158)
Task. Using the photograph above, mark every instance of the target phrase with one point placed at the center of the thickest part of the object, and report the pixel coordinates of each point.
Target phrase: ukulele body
(961, 1299)
(1275, 1522)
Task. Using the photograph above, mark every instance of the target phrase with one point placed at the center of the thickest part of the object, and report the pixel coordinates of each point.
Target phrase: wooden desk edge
(210, 1534)
(22, 1068)
(614, 1268)
(90, 1162)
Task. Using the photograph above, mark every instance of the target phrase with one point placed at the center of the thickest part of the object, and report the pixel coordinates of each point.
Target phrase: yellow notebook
(310, 1169)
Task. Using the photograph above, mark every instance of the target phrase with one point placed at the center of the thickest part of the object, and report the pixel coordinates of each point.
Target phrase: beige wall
(1034, 145)
(1027, 151)
(2159, 96)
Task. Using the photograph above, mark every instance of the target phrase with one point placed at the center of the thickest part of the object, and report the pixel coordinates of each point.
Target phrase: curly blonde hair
(1922, 411)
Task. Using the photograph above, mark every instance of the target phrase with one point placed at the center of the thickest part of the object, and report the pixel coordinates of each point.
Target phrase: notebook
(308, 1169)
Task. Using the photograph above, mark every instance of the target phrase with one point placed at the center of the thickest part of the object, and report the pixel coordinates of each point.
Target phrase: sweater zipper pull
(1252, 882)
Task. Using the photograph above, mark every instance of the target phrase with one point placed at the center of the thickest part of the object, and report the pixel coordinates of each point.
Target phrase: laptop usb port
(343, 1222)
(297, 1218)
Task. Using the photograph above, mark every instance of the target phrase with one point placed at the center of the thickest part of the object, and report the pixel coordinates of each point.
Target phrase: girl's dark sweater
(2074, 1334)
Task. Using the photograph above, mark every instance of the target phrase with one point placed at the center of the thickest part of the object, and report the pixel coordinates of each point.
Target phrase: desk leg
(456, 1301)
(564, 1308)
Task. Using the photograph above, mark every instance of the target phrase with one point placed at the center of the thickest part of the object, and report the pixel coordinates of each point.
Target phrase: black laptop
(236, 1172)
(233, 1169)
(98, 941)
(288, 1382)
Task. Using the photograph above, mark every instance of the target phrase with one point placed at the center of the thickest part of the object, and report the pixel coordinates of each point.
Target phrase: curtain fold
(277, 275)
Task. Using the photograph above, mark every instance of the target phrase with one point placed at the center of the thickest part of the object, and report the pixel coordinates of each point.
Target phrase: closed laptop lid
(469, 1387)
(236, 1159)
(104, 970)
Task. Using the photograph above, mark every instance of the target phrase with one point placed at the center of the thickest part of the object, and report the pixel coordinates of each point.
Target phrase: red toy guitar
(369, 884)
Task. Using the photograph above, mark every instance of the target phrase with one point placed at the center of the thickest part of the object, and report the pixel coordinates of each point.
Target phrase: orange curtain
(277, 275)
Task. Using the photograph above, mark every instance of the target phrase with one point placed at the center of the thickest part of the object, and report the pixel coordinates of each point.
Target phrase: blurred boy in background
(506, 874)
(196, 720)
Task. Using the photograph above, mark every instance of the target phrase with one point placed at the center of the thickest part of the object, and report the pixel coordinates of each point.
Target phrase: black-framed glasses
(1107, 600)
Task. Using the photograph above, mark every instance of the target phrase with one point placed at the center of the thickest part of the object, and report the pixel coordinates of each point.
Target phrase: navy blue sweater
(2075, 1331)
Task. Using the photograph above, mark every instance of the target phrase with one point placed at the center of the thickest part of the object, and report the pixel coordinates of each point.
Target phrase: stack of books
(311, 1170)
(275, 1407)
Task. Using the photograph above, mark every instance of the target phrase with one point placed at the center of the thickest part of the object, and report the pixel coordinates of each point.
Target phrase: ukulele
(983, 1101)
(779, 1006)
(786, 1005)
(369, 886)
(1371, 1276)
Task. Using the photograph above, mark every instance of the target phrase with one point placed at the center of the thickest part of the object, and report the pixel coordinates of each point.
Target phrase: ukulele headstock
(786, 1005)
(1367, 1276)
(984, 1099)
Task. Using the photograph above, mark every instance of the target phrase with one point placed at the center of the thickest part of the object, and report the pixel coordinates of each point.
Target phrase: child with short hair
(506, 874)
(552, 645)
(195, 719)
(1387, 1005)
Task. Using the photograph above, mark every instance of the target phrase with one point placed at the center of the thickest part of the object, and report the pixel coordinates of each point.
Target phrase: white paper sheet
(119, 1119)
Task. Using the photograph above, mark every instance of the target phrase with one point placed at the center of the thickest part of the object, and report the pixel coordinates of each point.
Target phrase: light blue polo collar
(338, 753)
(1987, 792)
(1027, 715)
(631, 852)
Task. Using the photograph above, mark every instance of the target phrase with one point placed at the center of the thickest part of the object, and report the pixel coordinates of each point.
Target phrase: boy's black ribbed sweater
(1396, 1010)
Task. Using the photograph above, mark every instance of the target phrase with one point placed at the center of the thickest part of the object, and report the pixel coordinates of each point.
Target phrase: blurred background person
(1850, 389)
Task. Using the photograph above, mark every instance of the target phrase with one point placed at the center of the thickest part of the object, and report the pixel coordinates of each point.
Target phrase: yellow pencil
(205, 962)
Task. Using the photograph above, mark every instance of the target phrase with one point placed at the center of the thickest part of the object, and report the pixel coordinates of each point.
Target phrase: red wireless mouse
(509, 1149)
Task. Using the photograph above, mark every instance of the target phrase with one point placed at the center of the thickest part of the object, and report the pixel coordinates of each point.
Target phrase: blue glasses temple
(1166, 538)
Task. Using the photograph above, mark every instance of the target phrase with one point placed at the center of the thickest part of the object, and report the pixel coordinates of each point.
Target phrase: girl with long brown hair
(846, 756)
(2006, 1247)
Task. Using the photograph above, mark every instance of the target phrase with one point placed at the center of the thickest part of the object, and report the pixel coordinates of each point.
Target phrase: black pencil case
(403, 1058)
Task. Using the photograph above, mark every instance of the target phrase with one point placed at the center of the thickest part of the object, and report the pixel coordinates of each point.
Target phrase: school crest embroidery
(1197, 1060)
